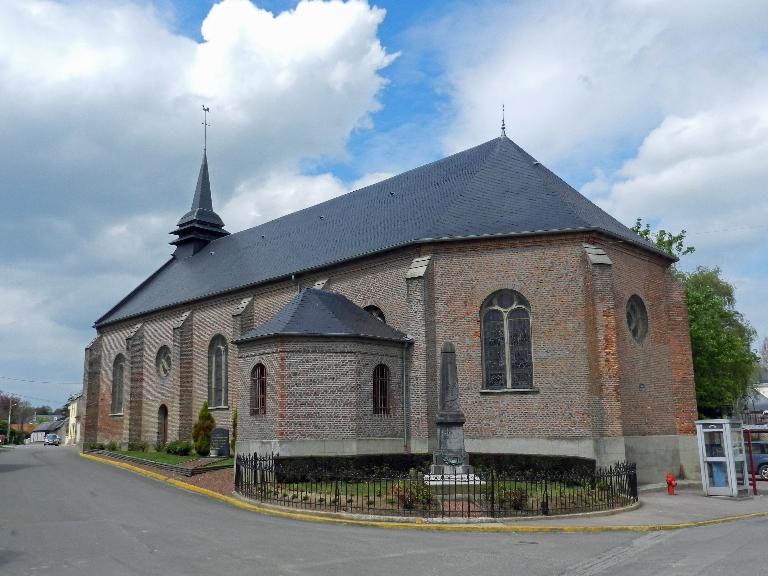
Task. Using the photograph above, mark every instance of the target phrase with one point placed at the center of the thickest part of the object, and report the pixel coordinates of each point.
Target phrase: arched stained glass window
(217, 372)
(381, 390)
(507, 348)
(118, 384)
(376, 312)
(259, 390)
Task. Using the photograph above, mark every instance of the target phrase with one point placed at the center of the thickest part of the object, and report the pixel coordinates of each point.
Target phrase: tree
(724, 366)
(201, 431)
(672, 244)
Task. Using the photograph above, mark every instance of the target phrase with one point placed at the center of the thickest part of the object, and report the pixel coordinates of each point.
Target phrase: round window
(163, 362)
(637, 318)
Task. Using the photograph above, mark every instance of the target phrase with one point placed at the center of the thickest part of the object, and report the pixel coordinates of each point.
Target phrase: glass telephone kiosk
(722, 458)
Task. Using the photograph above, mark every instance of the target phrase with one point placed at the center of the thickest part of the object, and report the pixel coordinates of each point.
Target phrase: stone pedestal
(449, 462)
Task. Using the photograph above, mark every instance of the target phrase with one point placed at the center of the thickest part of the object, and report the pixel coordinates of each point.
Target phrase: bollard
(671, 484)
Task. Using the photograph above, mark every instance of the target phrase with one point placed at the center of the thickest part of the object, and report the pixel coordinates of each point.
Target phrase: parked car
(760, 458)
(51, 440)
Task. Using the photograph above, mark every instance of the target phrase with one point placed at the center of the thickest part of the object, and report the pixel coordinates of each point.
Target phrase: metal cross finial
(503, 125)
(205, 127)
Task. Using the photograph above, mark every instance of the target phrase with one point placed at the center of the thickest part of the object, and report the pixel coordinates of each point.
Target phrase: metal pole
(751, 462)
(8, 435)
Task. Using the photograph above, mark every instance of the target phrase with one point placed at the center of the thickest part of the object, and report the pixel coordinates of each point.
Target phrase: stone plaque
(220, 442)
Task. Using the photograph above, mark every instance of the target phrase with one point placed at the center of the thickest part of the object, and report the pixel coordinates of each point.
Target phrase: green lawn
(228, 461)
(157, 456)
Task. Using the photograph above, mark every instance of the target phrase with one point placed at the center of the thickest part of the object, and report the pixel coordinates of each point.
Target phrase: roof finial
(503, 125)
(205, 127)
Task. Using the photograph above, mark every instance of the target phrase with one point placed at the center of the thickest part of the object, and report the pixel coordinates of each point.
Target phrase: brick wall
(320, 389)
(656, 383)
(587, 369)
(550, 274)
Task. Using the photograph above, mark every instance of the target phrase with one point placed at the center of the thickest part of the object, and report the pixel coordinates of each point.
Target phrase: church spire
(201, 224)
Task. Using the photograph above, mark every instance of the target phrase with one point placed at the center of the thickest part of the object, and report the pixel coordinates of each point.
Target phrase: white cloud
(662, 102)
(255, 202)
(103, 107)
(260, 200)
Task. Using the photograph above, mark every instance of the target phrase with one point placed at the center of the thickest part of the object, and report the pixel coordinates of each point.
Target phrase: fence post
(545, 499)
(633, 483)
(493, 493)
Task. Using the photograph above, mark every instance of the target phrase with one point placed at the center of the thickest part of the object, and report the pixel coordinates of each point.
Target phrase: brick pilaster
(681, 361)
(92, 389)
(183, 374)
(134, 343)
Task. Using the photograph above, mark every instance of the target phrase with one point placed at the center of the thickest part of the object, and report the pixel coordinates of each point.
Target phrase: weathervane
(205, 127)
(503, 125)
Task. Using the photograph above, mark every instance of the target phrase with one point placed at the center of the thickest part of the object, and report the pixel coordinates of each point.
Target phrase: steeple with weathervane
(201, 224)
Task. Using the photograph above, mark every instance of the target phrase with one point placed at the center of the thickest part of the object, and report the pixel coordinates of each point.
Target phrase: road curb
(422, 525)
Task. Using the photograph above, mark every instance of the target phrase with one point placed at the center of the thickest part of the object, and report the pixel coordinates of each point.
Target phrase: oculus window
(163, 362)
(505, 319)
(637, 318)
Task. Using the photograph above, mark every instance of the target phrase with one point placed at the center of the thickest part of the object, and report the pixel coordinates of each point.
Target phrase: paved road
(61, 514)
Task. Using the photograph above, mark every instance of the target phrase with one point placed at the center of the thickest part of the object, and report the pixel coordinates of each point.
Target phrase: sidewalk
(658, 508)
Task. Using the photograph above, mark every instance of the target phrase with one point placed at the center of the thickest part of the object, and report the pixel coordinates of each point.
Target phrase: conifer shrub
(201, 431)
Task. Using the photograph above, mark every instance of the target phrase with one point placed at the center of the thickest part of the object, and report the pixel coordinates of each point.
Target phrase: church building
(323, 328)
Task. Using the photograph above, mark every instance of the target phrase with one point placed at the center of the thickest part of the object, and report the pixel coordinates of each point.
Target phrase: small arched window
(376, 312)
(258, 390)
(506, 329)
(217, 372)
(381, 390)
(118, 384)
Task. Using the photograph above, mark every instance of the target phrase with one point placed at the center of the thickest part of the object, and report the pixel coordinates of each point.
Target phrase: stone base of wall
(657, 456)
(337, 447)
(610, 450)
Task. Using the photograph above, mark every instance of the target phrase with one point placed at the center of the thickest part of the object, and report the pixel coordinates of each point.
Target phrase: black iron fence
(485, 494)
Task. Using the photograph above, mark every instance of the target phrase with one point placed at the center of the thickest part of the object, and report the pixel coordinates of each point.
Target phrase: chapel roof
(495, 189)
(324, 314)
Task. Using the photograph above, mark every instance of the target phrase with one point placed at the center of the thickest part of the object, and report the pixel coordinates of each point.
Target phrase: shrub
(159, 446)
(138, 446)
(513, 498)
(201, 431)
(179, 447)
(410, 494)
(112, 446)
(93, 446)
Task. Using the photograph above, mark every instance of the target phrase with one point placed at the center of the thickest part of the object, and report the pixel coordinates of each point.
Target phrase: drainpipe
(404, 389)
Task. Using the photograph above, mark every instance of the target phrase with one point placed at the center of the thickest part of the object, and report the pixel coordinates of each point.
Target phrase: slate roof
(494, 189)
(321, 313)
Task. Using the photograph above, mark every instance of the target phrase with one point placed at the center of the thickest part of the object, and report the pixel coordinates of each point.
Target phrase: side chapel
(324, 327)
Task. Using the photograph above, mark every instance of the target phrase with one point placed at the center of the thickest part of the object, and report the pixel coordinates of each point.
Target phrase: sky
(650, 108)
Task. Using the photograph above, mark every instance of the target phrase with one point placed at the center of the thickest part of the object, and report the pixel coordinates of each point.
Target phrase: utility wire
(30, 381)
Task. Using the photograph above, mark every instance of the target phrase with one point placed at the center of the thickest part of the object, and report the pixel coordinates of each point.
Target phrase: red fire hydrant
(671, 483)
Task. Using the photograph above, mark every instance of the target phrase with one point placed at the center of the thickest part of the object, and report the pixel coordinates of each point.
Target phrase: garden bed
(189, 465)
(488, 494)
